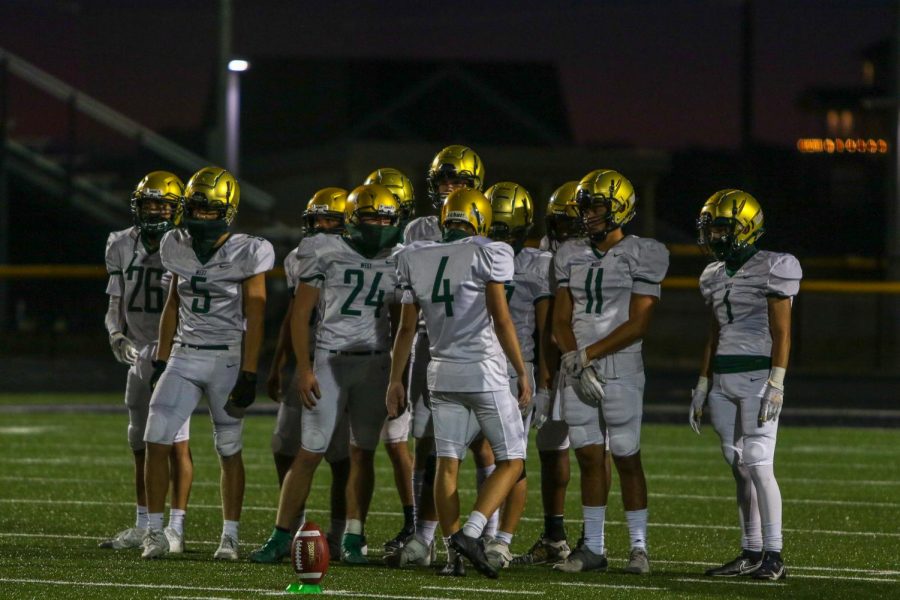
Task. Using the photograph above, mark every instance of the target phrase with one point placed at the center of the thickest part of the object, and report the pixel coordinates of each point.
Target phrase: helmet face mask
(156, 203)
(372, 215)
(453, 168)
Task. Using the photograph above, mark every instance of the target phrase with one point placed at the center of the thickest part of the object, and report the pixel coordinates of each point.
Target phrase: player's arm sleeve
(561, 268)
(650, 268)
(291, 268)
(310, 267)
(706, 288)
(495, 263)
(261, 258)
(114, 320)
(543, 282)
(116, 284)
(404, 285)
(784, 277)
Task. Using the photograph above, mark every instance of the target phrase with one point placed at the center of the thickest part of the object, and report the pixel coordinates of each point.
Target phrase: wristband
(776, 377)
(702, 384)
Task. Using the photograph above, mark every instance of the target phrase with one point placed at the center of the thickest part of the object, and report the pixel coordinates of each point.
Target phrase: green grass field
(65, 484)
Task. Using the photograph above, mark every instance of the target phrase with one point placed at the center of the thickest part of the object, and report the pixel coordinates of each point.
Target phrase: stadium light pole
(233, 115)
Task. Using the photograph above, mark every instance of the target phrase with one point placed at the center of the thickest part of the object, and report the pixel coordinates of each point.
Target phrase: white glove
(541, 402)
(590, 387)
(123, 349)
(770, 406)
(573, 362)
(698, 401)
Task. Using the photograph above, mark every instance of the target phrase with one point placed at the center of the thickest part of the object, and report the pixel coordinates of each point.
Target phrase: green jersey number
(438, 295)
(375, 298)
(146, 279)
(593, 287)
(202, 299)
(728, 307)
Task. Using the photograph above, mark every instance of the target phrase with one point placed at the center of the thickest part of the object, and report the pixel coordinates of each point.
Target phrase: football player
(750, 292)
(529, 301)
(355, 278)
(608, 286)
(453, 168)
(137, 288)
(210, 334)
(562, 222)
(459, 285)
(395, 433)
(324, 214)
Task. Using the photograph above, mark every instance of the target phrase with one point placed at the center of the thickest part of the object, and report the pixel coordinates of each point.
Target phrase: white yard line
(486, 590)
(25, 501)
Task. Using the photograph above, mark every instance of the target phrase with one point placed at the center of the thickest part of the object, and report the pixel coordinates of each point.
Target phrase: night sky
(647, 73)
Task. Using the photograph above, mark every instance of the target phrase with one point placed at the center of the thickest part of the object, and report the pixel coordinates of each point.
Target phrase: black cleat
(473, 550)
(745, 564)
(455, 567)
(772, 567)
(399, 540)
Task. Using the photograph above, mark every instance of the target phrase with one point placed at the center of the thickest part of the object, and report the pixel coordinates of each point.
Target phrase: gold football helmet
(607, 188)
(468, 206)
(400, 186)
(737, 213)
(213, 188)
(512, 212)
(162, 187)
(454, 162)
(329, 202)
(371, 199)
(563, 220)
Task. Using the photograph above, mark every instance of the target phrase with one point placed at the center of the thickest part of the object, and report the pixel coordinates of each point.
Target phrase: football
(309, 553)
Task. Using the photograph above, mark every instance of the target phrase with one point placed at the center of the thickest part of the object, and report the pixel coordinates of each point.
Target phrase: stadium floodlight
(238, 65)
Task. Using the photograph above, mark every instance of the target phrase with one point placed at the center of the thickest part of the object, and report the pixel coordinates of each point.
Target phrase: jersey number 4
(374, 298)
(442, 295)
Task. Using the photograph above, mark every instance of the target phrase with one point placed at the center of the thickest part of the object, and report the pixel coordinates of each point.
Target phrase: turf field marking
(487, 590)
(605, 585)
(698, 563)
(377, 513)
(212, 589)
(669, 477)
(25, 430)
(792, 575)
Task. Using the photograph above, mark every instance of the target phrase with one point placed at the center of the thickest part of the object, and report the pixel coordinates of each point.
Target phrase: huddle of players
(474, 311)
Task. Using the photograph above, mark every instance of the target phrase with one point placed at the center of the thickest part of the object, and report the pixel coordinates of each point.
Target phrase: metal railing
(251, 195)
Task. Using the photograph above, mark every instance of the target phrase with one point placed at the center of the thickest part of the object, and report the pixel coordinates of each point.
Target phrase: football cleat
(582, 559)
(414, 552)
(473, 550)
(155, 544)
(176, 540)
(455, 567)
(352, 549)
(133, 537)
(399, 540)
(227, 550)
(544, 551)
(638, 562)
(273, 551)
(498, 554)
(745, 564)
(334, 545)
(771, 568)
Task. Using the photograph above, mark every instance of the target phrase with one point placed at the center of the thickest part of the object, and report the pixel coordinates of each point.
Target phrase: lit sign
(841, 146)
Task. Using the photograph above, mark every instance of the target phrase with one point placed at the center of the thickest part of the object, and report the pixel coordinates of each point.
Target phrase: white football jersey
(447, 280)
(423, 229)
(292, 268)
(531, 284)
(357, 293)
(739, 301)
(138, 277)
(602, 284)
(210, 294)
